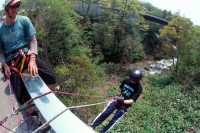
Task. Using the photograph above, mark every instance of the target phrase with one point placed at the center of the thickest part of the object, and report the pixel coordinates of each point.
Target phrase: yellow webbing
(22, 65)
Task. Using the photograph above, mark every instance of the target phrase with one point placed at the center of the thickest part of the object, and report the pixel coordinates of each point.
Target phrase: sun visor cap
(12, 2)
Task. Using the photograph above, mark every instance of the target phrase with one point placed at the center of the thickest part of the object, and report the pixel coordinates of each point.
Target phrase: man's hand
(119, 100)
(7, 70)
(32, 66)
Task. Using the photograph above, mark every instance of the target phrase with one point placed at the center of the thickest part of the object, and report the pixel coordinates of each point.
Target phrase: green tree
(57, 32)
(151, 40)
(180, 32)
(197, 35)
(118, 27)
(81, 76)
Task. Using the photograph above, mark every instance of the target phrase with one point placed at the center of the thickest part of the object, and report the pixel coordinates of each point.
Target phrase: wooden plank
(50, 106)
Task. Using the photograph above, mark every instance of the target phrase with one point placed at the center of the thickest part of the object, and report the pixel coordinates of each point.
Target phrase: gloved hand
(119, 100)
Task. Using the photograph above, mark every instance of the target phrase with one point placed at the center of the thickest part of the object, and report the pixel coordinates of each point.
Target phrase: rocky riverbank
(150, 67)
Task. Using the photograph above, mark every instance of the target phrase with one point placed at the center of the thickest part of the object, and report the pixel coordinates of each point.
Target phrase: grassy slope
(163, 107)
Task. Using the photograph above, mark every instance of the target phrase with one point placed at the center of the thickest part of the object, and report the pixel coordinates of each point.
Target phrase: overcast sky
(188, 8)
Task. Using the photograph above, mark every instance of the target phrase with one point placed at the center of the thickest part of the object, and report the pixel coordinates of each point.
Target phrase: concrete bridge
(94, 11)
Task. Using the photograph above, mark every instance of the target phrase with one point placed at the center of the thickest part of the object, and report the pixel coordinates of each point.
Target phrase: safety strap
(123, 106)
(25, 60)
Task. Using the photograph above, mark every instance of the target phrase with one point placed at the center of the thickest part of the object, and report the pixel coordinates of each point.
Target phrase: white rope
(73, 107)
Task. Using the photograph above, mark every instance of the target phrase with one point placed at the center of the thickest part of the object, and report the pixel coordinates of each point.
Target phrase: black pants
(18, 86)
(106, 112)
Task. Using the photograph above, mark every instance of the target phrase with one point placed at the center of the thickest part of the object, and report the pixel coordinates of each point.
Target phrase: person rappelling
(130, 91)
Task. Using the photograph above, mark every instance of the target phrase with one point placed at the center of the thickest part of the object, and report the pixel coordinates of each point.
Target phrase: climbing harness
(24, 61)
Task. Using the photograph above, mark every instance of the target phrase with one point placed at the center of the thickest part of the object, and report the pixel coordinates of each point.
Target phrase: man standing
(130, 91)
(17, 39)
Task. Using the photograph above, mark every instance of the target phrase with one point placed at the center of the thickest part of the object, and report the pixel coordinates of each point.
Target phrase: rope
(12, 102)
(30, 123)
(75, 94)
(13, 113)
(13, 107)
(2, 121)
(8, 129)
(73, 107)
(64, 93)
(25, 106)
(11, 98)
(22, 107)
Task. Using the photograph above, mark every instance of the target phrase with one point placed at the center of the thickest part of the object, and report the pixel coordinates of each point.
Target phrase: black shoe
(37, 118)
(46, 129)
(91, 127)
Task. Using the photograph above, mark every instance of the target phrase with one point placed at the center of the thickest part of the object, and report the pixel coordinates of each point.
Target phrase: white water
(158, 67)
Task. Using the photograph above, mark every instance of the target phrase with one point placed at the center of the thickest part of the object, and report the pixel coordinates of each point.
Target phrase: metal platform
(50, 106)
